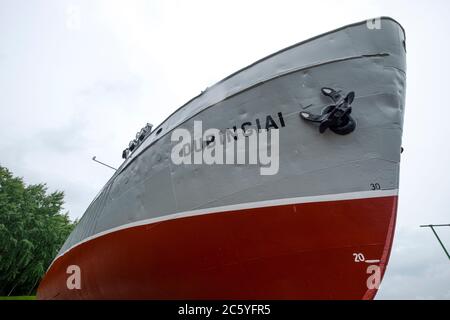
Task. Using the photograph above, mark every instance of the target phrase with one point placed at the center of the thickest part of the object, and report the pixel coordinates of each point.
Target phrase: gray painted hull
(149, 187)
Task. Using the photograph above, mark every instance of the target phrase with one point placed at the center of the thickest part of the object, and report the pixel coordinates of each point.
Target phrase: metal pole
(431, 226)
(94, 158)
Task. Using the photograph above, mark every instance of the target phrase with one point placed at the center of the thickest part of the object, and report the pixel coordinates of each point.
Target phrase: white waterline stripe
(242, 206)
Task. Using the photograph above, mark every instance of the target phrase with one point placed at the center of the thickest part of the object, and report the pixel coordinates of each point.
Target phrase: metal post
(94, 158)
(431, 226)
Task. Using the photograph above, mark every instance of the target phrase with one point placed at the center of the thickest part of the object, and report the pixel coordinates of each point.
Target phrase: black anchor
(337, 116)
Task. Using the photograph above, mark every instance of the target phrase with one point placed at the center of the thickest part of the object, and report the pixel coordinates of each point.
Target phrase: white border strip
(242, 206)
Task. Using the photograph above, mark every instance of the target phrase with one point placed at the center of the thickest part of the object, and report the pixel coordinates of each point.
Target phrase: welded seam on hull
(138, 152)
(242, 206)
(270, 56)
(143, 148)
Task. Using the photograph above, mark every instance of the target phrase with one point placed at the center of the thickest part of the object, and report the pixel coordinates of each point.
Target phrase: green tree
(32, 230)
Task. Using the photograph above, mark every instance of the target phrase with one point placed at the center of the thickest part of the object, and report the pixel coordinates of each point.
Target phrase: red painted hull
(302, 251)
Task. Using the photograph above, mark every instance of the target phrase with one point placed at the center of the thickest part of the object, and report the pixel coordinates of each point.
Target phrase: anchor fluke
(335, 117)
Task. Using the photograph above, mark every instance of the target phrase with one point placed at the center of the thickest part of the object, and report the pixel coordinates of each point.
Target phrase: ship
(320, 227)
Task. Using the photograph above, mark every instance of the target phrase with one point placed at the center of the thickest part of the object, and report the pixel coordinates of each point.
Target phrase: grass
(19, 298)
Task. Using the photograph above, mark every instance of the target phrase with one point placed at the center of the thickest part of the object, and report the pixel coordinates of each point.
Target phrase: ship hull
(293, 251)
(320, 227)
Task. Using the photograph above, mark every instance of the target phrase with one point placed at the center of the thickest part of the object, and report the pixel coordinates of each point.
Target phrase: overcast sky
(80, 78)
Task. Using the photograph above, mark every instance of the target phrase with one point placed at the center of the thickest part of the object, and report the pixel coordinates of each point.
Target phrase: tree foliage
(32, 230)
